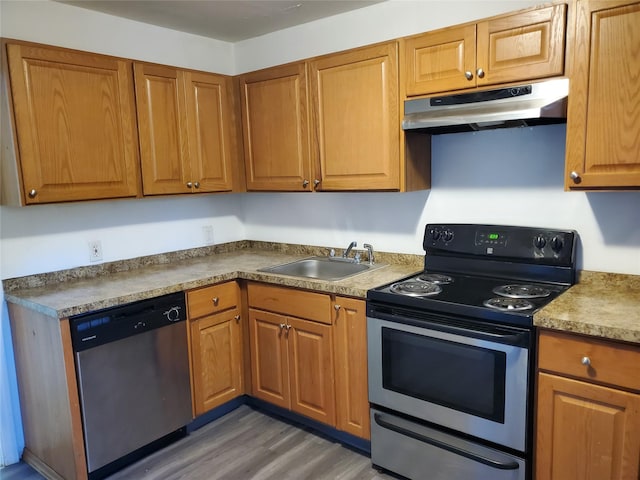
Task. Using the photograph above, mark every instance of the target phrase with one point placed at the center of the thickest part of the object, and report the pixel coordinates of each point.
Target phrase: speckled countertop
(71, 292)
(600, 304)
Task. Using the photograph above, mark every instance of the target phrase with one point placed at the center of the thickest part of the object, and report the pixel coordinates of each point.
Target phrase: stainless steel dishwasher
(133, 379)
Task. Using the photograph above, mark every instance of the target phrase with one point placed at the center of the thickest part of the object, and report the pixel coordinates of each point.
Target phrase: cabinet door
(586, 432)
(209, 125)
(355, 119)
(440, 61)
(352, 400)
(522, 46)
(162, 126)
(603, 120)
(311, 370)
(216, 352)
(75, 123)
(269, 360)
(276, 128)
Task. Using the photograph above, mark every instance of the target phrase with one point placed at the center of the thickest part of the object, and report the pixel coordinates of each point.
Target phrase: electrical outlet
(95, 251)
(207, 234)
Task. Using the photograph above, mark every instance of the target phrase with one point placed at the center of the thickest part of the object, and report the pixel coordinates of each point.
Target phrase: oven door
(468, 376)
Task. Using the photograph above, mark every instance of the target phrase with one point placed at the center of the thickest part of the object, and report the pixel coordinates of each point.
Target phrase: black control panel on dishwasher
(521, 243)
(104, 326)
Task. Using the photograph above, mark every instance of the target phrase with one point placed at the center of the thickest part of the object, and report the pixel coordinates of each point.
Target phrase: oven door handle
(491, 462)
(495, 334)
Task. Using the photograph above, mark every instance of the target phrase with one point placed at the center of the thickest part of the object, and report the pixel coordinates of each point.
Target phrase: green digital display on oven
(493, 236)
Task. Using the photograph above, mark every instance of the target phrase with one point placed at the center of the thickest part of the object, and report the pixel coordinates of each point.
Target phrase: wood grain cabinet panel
(603, 118)
(292, 362)
(354, 98)
(215, 338)
(276, 128)
(352, 394)
(186, 130)
(509, 48)
(75, 126)
(269, 358)
(585, 430)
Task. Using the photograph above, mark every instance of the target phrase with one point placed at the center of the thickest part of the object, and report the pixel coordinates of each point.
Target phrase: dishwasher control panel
(111, 324)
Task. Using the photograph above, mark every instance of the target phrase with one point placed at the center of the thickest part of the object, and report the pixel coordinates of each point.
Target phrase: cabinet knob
(337, 307)
(586, 361)
(575, 176)
(305, 183)
(316, 182)
(480, 73)
(237, 318)
(33, 193)
(196, 184)
(288, 327)
(189, 184)
(468, 75)
(282, 325)
(215, 301)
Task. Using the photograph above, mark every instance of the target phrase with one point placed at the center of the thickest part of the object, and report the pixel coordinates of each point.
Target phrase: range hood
(523, 105)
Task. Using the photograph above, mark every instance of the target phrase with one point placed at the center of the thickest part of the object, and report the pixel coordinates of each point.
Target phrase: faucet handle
(369, 248)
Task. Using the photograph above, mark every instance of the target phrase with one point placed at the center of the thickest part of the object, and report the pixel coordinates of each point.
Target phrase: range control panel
(522, 243)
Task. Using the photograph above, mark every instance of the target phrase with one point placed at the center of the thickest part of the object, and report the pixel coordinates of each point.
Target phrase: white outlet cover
(95, 251)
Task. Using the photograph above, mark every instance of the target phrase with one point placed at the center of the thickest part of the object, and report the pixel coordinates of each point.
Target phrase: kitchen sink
(322, 268)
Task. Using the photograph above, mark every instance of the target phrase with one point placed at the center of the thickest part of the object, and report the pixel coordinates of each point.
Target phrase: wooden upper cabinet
(440, 61)
(276, 128)
(356, 123)
(603, 120)
(186, 130)
(510, 48)
(75, 126)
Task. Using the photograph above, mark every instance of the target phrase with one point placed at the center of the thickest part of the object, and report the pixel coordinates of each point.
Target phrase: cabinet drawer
(610, 363)
(213, 299)
(289, 301)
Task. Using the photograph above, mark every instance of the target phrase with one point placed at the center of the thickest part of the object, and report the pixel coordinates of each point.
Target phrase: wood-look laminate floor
(244, 444)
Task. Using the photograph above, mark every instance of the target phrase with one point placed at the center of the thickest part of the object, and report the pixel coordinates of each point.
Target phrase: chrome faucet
(345, 254)
(370, 252)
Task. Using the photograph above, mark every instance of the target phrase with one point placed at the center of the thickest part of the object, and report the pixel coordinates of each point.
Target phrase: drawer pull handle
(586, 361)
(215, 300)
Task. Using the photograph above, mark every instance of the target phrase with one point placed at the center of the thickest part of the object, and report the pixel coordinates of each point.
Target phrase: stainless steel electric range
(451, 352)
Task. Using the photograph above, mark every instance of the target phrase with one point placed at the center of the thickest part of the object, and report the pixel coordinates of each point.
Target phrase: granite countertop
(75, 291)
(601, 304)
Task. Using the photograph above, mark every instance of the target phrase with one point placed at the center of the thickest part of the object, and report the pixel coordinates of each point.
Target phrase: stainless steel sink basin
(323, 268)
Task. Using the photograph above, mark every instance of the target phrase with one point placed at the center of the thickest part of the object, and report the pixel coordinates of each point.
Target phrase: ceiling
(226, 20)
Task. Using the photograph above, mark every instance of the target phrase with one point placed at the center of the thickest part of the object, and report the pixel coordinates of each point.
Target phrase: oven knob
(435, 234)
(539, 241)
(447, 235)
(556, 244)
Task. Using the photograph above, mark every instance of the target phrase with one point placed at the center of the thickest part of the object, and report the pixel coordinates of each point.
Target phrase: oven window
(462, 377)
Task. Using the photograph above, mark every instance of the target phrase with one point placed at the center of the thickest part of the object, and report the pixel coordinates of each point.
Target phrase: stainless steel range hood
(532, 104)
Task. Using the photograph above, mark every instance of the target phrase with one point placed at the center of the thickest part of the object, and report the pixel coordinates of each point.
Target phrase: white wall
(510, 176)
(63, 25)
(380, 22)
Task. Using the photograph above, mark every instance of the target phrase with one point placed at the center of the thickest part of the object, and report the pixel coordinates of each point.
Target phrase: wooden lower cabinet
(216, 346)
(587, 431)
(292, 364)
(309, 355)
(350, 354)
